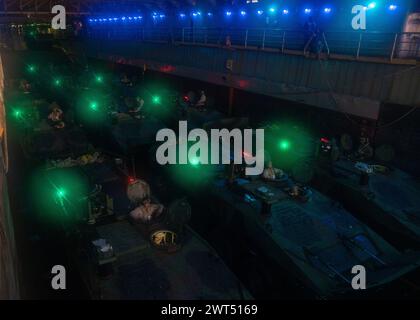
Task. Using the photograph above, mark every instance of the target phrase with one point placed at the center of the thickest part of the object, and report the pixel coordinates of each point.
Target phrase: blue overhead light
(243, 13)
(162, 16)
(327, 10)
(115, 19)
(392, 7)
(285, 11)
(228, 13)
(123, 18)
(209, 14)
(95, 20)
(272, 10)
(182, 15)
(90, 20)
(307, 11)
(260, 12)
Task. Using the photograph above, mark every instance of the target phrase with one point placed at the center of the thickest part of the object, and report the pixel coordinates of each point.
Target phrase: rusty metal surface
(8, 260)
(353, 87)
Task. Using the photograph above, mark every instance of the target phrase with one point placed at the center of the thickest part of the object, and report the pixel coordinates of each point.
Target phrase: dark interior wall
(403, 135)
(399, 127)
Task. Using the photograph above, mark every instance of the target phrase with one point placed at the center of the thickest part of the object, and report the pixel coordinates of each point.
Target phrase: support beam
(231, 100)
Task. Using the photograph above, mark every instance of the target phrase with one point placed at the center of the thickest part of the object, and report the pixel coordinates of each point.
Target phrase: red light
(186, 98)
(246, 154)
(131, 180)
(325, 140)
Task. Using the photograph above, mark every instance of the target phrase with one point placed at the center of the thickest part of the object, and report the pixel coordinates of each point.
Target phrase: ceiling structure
(83, 7)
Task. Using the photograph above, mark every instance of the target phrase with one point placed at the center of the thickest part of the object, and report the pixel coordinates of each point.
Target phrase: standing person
(310, 28)
(228, 42)
(201, 103)
(365, 150)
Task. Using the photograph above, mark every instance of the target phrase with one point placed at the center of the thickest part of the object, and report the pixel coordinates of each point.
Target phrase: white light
(372, 5)
(307, 10)
(392, 7)
(243, 13)
(228, 13)
(260, 12)
(285, 11)
(327, 10)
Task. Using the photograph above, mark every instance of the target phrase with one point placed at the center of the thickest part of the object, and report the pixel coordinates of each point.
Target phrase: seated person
(136, 107)
(138, 192)
(25, 86)
(125, 80)
(201, 103)
(365, 150)
(55, 118)
(271, 173)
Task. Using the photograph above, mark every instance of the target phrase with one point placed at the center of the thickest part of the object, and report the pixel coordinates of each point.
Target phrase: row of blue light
(115, 19)
(228, 13)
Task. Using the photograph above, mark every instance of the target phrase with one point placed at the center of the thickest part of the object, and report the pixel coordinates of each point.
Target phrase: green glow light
(99, 79)
(156, 99)
(57, 82)
(17, 113)
(284, 145)
(31, 68)
(194, 161)
(61, 193)
(93, 106)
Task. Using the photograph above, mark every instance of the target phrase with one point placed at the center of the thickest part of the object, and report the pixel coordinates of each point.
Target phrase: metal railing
(354, 44)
